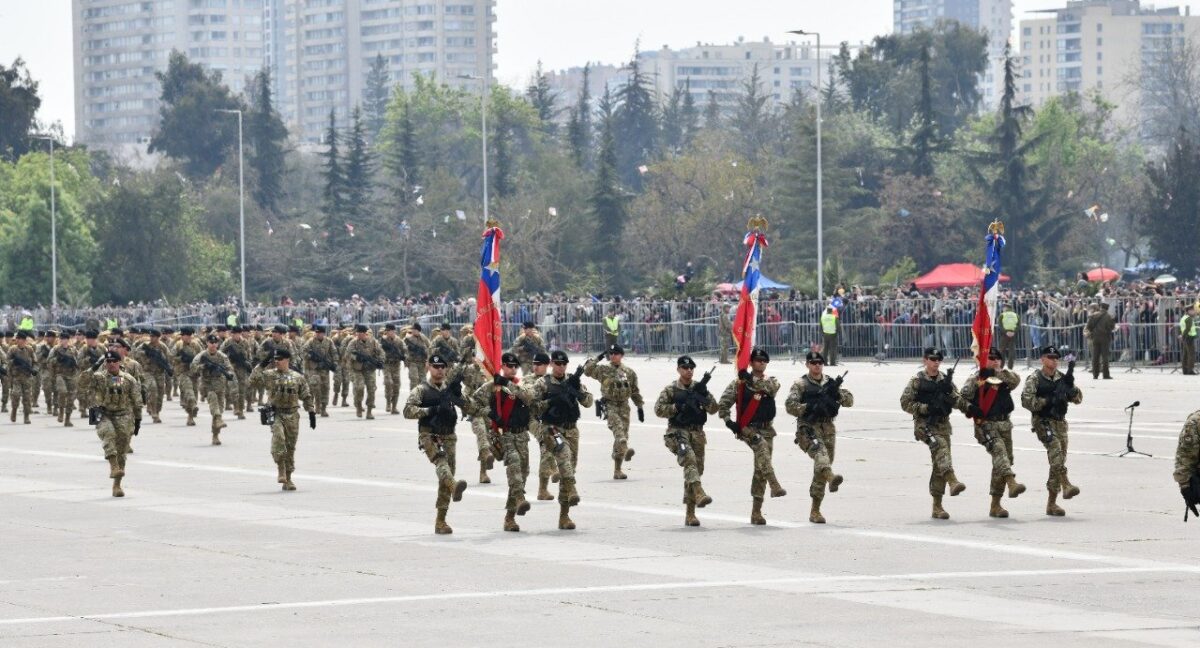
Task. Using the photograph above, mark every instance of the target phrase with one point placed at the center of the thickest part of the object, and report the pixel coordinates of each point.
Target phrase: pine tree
(712, 112)
(635, 126)
(266, 135)
(543, 99)
(335, 179)
(402, 162)
(1172, 200)
(501, 133)
(579, 128)
(689, 114)
(751, 118)
(375, 96)
(672, 122)
(607, 202)
(358, 169)
(924, 141)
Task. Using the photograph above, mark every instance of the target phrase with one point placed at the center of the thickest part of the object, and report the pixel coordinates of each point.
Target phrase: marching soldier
(473, 378)
(751, 399)
(240, 352)
(1048, 393)
(22, 367)
(287, 390)
(213, 370)
(65, 366)
(618, 386)
(153, 356)
(559, 397)
(185, 351)
(1187, 461)
(528, 344)
(90, 359)
(815, 400)
(5, 376)
(724, 333)
(466, 341)
(686, 405)
(362, 358)
(117, 397)
(416, 347)
(432, 403)
(393, 358)
(341, 379)
(930, 397)
(319, 353)
(993, 387)
(547, 465)
(444, 343)
(508, 415)
(168, 340)
(1099, 330)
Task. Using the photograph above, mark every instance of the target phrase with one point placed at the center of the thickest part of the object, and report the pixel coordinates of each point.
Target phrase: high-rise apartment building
(1100, 45)
(993, 17)
(319, 52)
(120, 44)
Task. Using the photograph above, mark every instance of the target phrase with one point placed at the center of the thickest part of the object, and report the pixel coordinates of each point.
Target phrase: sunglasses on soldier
(560, 363)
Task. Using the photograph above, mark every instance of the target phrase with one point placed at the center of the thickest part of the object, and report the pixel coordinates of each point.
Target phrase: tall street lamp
(483, 119)
(820, 192)
(53, 233)
(241, 200)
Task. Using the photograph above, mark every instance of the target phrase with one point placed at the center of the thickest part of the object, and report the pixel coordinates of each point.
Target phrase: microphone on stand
(1135, 404)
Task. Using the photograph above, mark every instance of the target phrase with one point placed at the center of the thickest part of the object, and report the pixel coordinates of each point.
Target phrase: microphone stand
(1129, 436)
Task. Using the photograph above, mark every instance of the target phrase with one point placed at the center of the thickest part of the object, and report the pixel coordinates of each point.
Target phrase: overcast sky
(561, 33)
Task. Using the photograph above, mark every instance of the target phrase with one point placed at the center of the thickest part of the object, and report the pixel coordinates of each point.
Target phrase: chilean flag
(746, 320)
(986, 310)
(488, 336)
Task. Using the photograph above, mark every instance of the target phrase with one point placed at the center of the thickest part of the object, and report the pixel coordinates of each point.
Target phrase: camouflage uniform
(527, 345)
(119, 398)
(286, 391)
(436, 438)
(362, 374)
(1187, 453)
(65, 364)
(24, 381)
(5, 377)
(559, 417)
(618, 386)
(319, 354)
(510, 406)
(45, 377)
(1051, 430)
(341, 384)
(547, 464)
(90, 358)
(474, 377)
(393, 359)
(447, 347)
(758, 434)
(241, 356)
(913, 401)
(214, 382)
(156, 377)
(416, 354)
(994, 432)
(181, 357)
(687, 429)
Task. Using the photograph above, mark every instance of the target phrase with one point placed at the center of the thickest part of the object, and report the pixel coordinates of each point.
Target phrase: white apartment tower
(993, 17)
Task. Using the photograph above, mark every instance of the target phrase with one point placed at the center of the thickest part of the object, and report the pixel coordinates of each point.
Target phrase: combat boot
(487, 459)
(956, 486)
(287, 483)
(27, 421)
(572, 494)
(153, 417)
(510, 521)
(543, 494)
(241, 416)
(617, 474)
(439, 525)
(358, 410)
(997, 511)
(117, 492)
(324, 414)
(459, 487)
(282, 472)
(1052, 507)
(814, 514)
(58, 414)
(833, 479)
(191, 419)
(216, 439)
(14, 414)
(564, 518)
(67, 420)
(939, 513)
(689, 516)
(699, 496)
(522, 506)
(370, 416)
(344, 403)
(776, 489)
(1069, 490)
(1014, 487)
(114, 468)
(756, 516)
(483, 476)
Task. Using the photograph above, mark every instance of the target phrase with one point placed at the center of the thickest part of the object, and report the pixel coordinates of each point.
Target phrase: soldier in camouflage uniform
(445, 344)
(319, 357)
(504, 404)
(815, 400)
(286, 392)
(466, 341)
(186, 350)
(930, 397)
(341, 382)
(557, 398)
(754, 390)
(363, 356)
(528, 344)
(155, 359)
(65, 365)
(90, 358)
(618, 386)
(393, 359)
(213, 370)
(118, 396)
(169, 384)
(22, 366)
(547, 464)
(240, 352)
(416, 352)
(686, 405)
(5, 377)
(993, 429)
(1047, 394)
(473, 377)
(435, 411)
(1187, 456)
(45, 372)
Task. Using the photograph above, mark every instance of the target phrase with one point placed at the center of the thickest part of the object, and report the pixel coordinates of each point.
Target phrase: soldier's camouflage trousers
(341, 386)
(243, 398)
(547, 465)
(939, 455)
(65, 388)
(1056, 450)
(391, 383)
(618, 424)
(318, 384)
(216, 400)
(692, 460)
(23, 389)
(483, 436)
(364, 381)
(515, 453)
(284, 433)
(47, 383)
(1001, 451)
(566, 457)
(115, 433)
(154, 395)
(187, 393)
(761, 441)
(440, 449)
(822, 452)
(416, 373)
(5, 385)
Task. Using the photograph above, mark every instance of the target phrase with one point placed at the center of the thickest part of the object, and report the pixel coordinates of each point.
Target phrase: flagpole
(746, 319)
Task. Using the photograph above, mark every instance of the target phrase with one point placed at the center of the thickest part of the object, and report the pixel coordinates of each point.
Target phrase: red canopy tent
(952, 275)
(1103, 274)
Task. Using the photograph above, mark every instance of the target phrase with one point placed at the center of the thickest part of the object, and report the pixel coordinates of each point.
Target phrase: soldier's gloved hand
(986, 373)
(493, 416)
(641, 415)
(733, 427)
(573, 381)
(500, 381)
(312, 420)
(603, 354)
(445, 408)
(744, 375)
(680, 397)
(974, 411)
(137, 426)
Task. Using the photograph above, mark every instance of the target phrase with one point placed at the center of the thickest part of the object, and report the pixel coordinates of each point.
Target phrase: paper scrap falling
(420, 200)
(270, 230)
(553, 212)
(350, 229)
(366, 268)
(460, 214)
(305, 226)
(446, 218)
(643, 169)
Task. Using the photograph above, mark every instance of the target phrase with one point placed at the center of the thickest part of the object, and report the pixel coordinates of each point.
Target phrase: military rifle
(367, 360)
(323, 363)
(23, 365)
(212, 365)
(157, 358)
(392, 351)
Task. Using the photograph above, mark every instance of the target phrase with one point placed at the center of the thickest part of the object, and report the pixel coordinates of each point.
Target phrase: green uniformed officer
(686, 404)
(286, 391)
(1048, 393)
(931, 397)
(118, 399)
(748, 408)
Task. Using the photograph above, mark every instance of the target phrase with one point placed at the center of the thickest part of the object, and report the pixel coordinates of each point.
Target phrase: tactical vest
(927, 390)
(518, 418)
(285, 390)
(1045, 389)
(812, 394)
(688, 419)
(562, 409)
(618, 389)
(440, 423)
(1002, 406)
(113, 393)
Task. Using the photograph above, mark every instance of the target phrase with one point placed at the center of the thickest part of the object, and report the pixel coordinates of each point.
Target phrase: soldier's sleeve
(136, 397)
(1029, 397)
(585, 397)
(845, 398)
(226, 363)
(256, 377)
(481, 397)
(710, 405)
(1077, 396)
(728, 398)
(377, 350)
(1010, 379)
(968, 390)
(533, 395)
(194, 369)
(908, 399)
(664, 407)
(591, 369)
(635, 392)
(1187, 453)
(412, 407)
(306, 396)
(793, 405)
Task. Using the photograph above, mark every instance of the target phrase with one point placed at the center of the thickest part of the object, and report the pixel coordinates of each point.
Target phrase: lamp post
(53, 232)
(820, 192)
(241, 201)
(483, 128)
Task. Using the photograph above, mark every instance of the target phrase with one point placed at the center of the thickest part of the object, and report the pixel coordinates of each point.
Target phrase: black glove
(744, 375)
(701, 391)
(816, 409)
(641, 415)
(445, 408)
(573, 381)
(1069, 377)
(500, 380)
(973, 411)
(494, 417)
(603, 354)
(137, 426)
(986, 373)
(733, 426)
(680, 398)
(312, 420)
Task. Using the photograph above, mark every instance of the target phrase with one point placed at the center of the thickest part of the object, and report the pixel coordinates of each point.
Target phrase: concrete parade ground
(206, 550)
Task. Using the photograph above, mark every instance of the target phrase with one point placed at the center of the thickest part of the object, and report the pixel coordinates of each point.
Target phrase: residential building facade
(993, 17)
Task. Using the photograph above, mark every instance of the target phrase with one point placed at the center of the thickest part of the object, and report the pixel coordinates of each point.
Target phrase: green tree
(191, 128)
(689, 115)
(712, 112)
(1171, 202)
(752, 120)
(607, 202)
(358, 168)
(267, 136)
(19, 103)
(579, 126)
(672, 122)
(376, 92)
(400, 158)
(924, 140)
(334, 194)
(544, 100)
(503, 157)
(635, 126)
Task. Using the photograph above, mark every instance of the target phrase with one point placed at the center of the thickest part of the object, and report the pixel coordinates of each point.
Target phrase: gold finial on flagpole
(757, 222)
(491, 222)
(996, 227)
